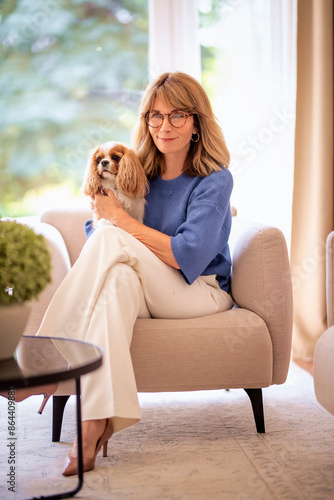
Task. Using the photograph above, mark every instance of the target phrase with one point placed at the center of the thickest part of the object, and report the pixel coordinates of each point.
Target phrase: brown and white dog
(115, 167)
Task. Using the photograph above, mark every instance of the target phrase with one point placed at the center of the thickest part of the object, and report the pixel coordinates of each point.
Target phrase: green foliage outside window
(214, 55)
(71, 76)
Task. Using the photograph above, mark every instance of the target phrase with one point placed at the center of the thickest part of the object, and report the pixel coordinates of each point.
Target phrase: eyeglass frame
(167, 114)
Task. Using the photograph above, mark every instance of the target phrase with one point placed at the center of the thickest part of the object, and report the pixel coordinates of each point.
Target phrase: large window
(72, 72)
(248, 52)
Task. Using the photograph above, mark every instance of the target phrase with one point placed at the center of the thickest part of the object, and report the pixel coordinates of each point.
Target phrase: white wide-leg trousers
(115, 280)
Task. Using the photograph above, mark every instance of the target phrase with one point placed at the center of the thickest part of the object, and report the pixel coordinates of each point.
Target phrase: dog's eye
(98, 159)
(116, 158)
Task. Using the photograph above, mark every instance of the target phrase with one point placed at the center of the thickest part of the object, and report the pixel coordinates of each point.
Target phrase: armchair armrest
(261, 282)
(329, 278)
(60, 263)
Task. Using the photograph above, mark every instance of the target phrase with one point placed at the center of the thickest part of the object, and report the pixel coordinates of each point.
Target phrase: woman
(174, 265)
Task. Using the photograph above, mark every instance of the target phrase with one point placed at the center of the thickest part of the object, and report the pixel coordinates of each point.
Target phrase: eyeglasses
(176, 118)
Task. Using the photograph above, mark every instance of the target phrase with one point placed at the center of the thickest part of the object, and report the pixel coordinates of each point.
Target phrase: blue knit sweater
(195, 213)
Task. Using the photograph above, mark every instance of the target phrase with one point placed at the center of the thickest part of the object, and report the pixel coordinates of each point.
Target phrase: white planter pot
(13, 319)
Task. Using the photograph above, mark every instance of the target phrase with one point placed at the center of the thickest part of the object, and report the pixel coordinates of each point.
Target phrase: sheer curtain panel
(173, 35)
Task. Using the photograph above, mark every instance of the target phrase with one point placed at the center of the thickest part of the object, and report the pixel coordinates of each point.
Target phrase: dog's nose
(104, 163)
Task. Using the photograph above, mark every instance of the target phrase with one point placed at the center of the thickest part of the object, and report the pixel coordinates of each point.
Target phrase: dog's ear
(91, 182)
(131, 178)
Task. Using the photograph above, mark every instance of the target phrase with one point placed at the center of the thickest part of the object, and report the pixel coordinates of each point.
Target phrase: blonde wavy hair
(183, 93)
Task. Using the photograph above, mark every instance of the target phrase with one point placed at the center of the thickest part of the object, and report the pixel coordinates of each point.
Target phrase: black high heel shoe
(25, 392)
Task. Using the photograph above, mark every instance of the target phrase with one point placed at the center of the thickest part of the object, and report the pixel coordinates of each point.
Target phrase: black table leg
(71, 493)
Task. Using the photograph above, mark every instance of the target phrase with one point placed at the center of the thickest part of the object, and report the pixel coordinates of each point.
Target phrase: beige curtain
(313, 196)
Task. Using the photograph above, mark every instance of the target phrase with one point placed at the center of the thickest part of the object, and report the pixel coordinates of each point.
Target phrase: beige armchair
(323, 363)
(247, 347)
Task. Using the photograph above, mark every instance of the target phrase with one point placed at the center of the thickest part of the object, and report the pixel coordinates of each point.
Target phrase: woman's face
(168, 139)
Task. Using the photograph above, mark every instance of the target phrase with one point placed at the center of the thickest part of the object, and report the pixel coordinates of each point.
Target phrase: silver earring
(197, 138)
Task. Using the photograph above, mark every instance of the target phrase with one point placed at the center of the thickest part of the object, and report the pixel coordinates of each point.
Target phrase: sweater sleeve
(205, 232)
(89, 229)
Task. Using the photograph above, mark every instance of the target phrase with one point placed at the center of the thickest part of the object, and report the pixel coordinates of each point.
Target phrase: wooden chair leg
(255, 395)
(58, 407)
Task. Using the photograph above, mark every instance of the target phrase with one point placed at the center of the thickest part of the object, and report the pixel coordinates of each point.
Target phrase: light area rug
(188, 446)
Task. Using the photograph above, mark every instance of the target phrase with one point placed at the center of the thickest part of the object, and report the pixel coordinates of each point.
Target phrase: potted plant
(25, 269)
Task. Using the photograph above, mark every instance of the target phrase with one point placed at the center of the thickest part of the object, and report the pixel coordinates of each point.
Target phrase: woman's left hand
(106, 207)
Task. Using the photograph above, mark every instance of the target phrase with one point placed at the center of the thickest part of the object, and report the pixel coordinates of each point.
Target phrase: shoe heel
(105, 448)
(45, 400)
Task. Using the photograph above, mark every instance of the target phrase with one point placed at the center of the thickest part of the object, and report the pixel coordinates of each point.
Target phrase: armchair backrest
(70, 223)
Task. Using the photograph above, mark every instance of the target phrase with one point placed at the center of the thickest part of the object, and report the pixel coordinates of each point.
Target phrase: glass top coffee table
(44, 360)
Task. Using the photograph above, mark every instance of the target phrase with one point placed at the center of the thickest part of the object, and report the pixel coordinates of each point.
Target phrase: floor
(188, 446)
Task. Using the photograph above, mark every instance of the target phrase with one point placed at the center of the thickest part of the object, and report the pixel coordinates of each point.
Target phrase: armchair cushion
(221, 352)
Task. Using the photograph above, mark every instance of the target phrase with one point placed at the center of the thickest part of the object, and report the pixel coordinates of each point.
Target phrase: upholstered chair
(247, 347)
(323, 363)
